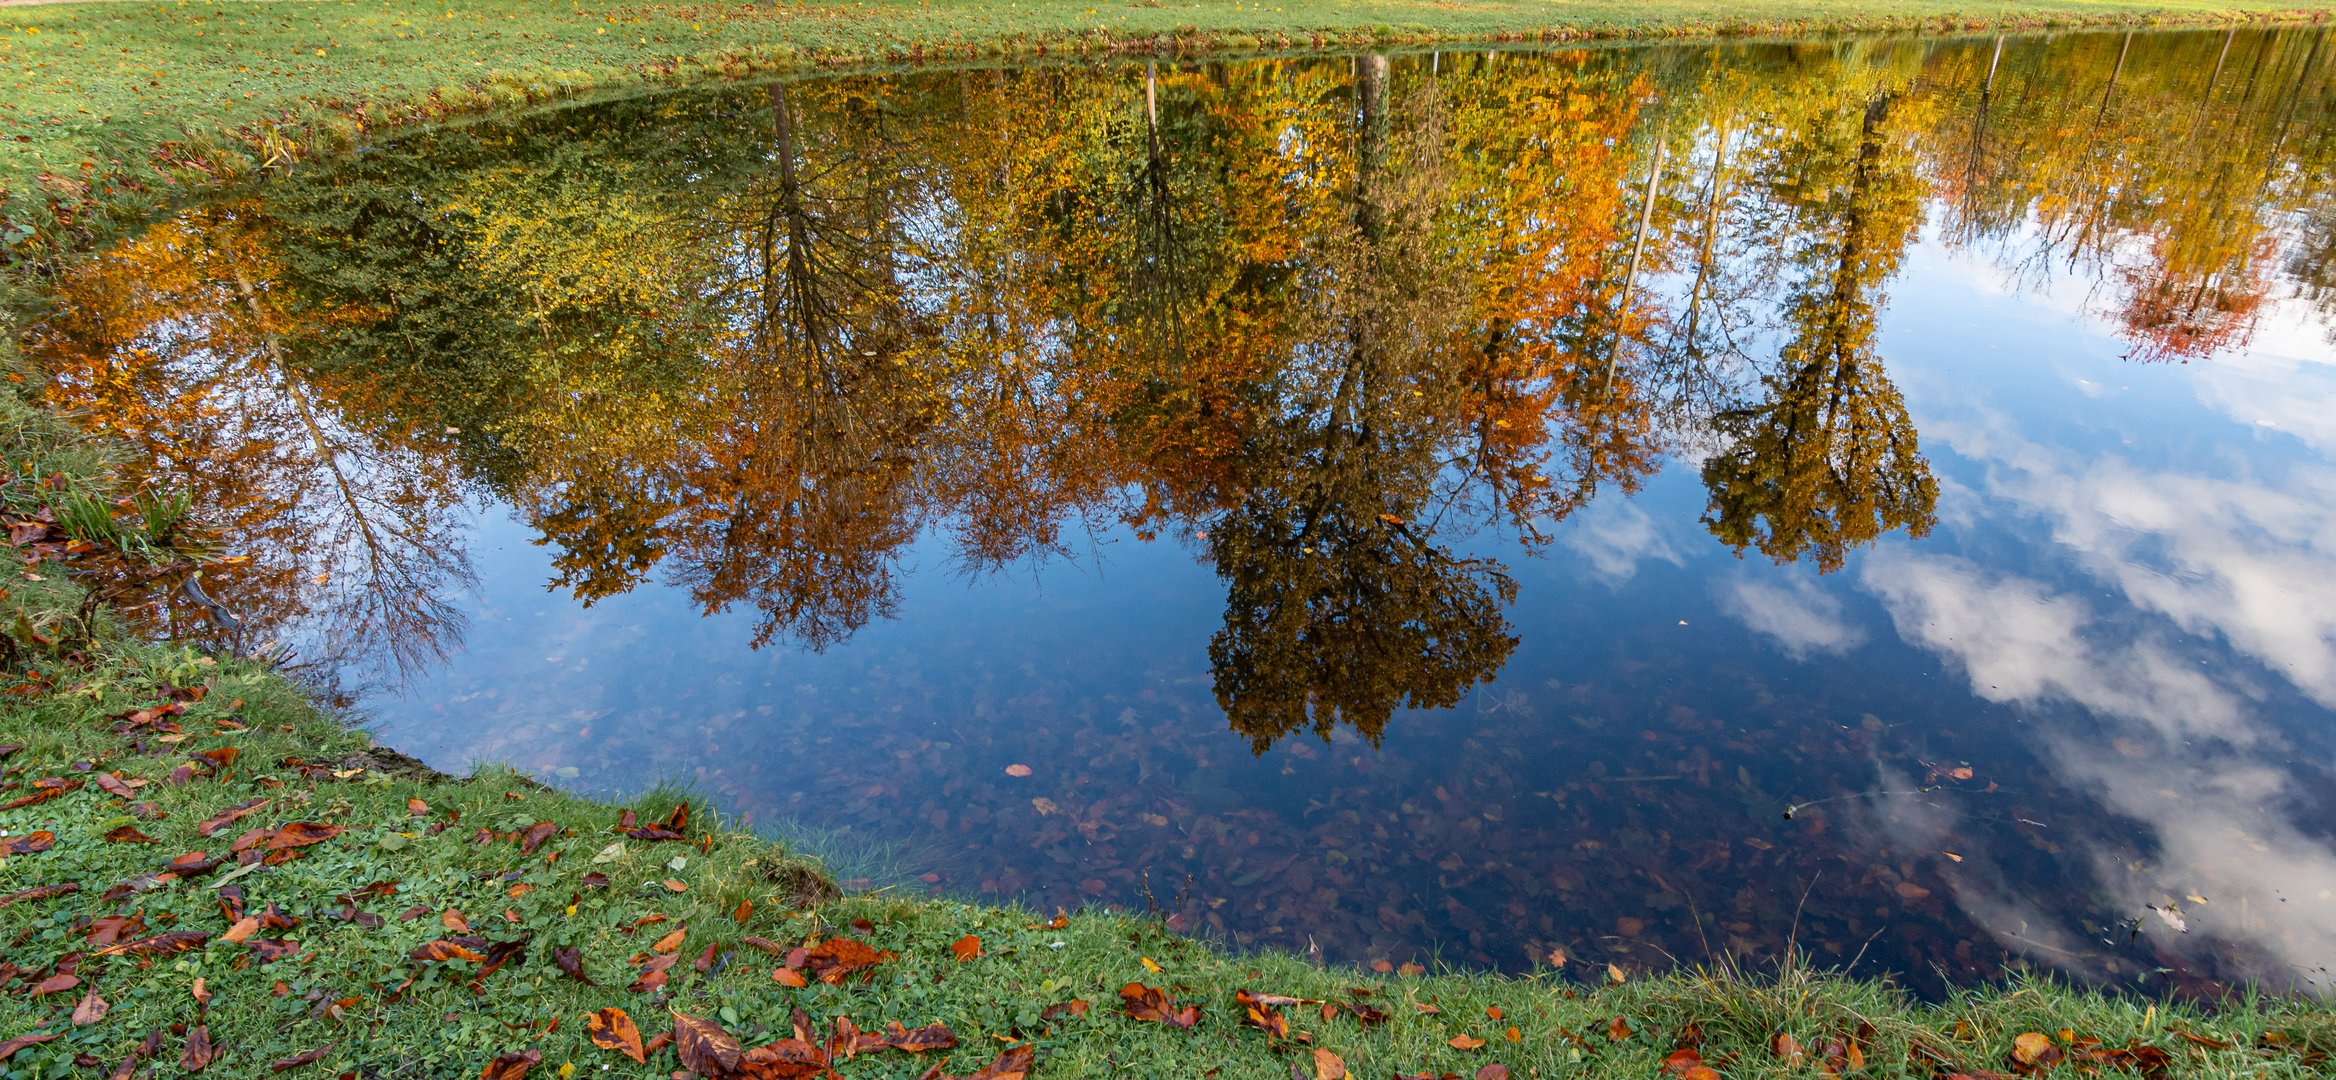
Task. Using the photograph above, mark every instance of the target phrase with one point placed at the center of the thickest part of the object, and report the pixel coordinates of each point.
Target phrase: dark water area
(1634, 505)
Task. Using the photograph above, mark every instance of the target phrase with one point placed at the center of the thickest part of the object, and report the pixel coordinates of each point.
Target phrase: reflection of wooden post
(1638, 247)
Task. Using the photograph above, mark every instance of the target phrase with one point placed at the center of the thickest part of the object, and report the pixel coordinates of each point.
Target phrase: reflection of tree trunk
(1370, 144)
(2206, 96)
(1638, 248)
(1159, 221)
(1711, 228)
(320, 443)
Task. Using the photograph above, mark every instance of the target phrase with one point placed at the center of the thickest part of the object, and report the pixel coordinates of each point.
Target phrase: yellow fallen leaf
(1043, 805)
(1150, 964)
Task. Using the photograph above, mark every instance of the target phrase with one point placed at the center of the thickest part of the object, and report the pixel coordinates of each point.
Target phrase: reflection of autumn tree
(802, 482)
(1829, 460)
(341, 537)
(1339, 607)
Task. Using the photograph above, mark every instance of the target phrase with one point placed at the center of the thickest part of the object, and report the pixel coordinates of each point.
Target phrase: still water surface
(1629, 504)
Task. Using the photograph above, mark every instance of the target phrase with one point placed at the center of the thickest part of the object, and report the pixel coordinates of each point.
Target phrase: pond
(1609, 507)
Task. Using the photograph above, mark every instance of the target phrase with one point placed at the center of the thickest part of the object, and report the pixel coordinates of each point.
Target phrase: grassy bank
(114, 105)
(205, 872)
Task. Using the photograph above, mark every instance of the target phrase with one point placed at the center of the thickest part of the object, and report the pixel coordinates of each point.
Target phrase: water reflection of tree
(1339, 607)
(184, 344)
(1330, 317)
(1829, 459)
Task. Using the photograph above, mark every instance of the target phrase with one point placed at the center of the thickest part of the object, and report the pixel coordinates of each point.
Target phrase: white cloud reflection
(1802, 619)
(1614, 536)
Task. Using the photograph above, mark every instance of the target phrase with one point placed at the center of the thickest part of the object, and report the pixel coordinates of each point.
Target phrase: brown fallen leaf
(1154, 1005)
(305, 1057)
(243, 928)
(965, 948)
(199, 1053)
(672, 885)
(1012, 1063)
(789, 977)
(612, 1029)
(128, 834)
(536, 835)
(30, 843)
(417, 808)
(8, 1049)
(1618, 1030)
(225, 817)
(302, 834)
(705, 1048)
(55, 984)
(742, 912)
(837, 959)
(90, 1010)
(670, 942)
(1493, 1071)
(933, 1036)
(571, 961)
(1328, 1066)
(511, 1066)
(1017, 770)
(443, 949)
(1464, 1042)
(202, 993)
(454, 920)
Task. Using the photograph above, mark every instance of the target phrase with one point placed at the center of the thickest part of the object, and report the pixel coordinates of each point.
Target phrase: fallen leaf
(742, 912)
(8, 1049)
(705, 1048)
(442, 949)
(2030, 1048)
(302, 834)
(202, 993)
(225, 817)
(1493, 1071)
(670, 942)
(837, 959)
(965, 948)
(199, 1053)
(1618, 1030)
(1017, 770)
(535, 836)
(1044, 806)
(1153, 1004)
(612, 1029)
(454, 920)
(30, 843)
(1464, 1042)
(1013, 1063)
(55, 984)
(511, 1066)
(571, 961)
(672, 885)
(128, 834)
(90, 1010)
(1328, 1066)
(789, 977)
(305, 1057)
(934, 1036)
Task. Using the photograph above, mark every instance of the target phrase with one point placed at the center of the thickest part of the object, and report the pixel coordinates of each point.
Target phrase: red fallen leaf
(1073, 1007)
(192, 863)
(511, 1066)
(705, 1048)
(414, 912)
(305, 1057)
(765, 944)
(199, 1053)
(108, 929)
(571, 961)
(1012, 1063)
(40, 892)
(1495, 1071)
(225, 817)
(596, 880)
(221, 758)
(54, 984)
(535, 836)
(675, 825)
(837, 959)
(705, 961)
(742, 912)
(1787, 1049)
(176, 941)
(443, 949)
(612, 1029)
(90, 1010)
(789, 977)
(111, 784)
(1687, 1064)
(302, 834)
(965, 948)
(8, 1049)
(933, 1036)
(30, 843)
(786, 1059)
(670, 942)
(129, 834)
(1618, 1030)
(454, 920)
(272, 949)
(1153, 1004)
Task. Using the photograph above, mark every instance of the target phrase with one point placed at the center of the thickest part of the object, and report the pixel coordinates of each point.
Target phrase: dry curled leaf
(511, 1066)
(1154, 1005)
(705, 1048)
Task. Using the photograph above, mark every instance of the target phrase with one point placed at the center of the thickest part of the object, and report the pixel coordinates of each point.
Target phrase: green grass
(115, 105)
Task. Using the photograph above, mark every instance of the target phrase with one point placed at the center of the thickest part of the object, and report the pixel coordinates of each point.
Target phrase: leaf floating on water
(1017, 770)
